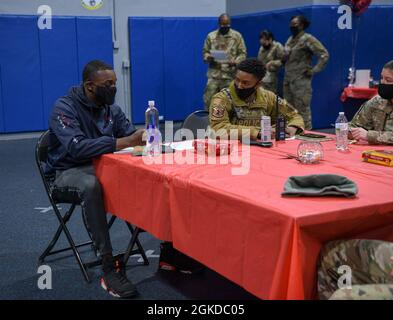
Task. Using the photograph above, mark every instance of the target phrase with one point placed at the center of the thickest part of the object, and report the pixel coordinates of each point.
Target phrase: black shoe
(173, 260)
(116, 283)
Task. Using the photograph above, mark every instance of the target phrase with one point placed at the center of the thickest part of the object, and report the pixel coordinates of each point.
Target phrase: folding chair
(197, 120)
(72, 196)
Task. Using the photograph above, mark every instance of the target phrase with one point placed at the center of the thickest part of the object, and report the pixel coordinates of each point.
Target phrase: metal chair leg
(84, 266)
(62, 227)
(111, 221)
(76, 253)
(130, 247)
(142, 251)
(51, 245)
(134, 240)
(57, 234)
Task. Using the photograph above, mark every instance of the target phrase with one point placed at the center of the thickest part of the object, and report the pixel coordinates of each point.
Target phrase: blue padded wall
(147, 65)
(168, 68)
(38, 66)
(94, 41)
(59, 61)
(1, 105)
(325, 103)
(20, 73)
(179, 67)
(202, 27)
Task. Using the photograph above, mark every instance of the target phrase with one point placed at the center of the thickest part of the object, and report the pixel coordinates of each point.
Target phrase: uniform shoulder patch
(218, 111)
(281, 101)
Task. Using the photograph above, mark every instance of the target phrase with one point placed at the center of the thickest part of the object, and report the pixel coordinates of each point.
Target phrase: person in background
(85, 124)
(271, 54)
(221, 73)
(245, 101)
(373, 122)
(298, 53)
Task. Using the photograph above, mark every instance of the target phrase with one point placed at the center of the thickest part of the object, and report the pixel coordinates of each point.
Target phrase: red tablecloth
(240, 226)
(358, 93)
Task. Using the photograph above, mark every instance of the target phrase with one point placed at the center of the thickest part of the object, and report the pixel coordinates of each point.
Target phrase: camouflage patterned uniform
(376, 116)
(228, 111)
(365, 292)
(274, 55)
(370, 262)
(219, 75)
(297, 84)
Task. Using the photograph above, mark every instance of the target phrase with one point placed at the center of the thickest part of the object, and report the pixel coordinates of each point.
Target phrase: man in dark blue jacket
(84, 124)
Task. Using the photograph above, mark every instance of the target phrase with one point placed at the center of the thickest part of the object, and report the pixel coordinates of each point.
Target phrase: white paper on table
(219, 55)
(182, 145)
(125, 150)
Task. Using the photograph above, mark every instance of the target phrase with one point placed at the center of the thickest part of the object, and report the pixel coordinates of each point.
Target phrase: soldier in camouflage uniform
(221, 73)
(242, 105)
(271, 54)
(299, 50)
(374, 120)
(371, 265)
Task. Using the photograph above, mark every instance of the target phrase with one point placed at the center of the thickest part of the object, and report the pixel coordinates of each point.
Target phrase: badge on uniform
(218, 112)
(280, 101)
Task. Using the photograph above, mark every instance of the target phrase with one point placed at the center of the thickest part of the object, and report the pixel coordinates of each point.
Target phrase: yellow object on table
(382, 157)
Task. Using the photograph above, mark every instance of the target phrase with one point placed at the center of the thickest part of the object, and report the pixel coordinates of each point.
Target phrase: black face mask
(385, 91)
(105, 95)
(244, 93)
(224, 30)
(294, 30)
(266, 47)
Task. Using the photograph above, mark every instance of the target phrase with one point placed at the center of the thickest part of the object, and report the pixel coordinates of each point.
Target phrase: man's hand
(291, 131)
(269, 66)
(359, 134)
(131, 141)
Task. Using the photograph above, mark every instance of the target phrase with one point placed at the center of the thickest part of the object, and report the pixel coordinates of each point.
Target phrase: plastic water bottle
(280, 123)
(153, 132)
(280, 128)
(266, 129)
(341, 132)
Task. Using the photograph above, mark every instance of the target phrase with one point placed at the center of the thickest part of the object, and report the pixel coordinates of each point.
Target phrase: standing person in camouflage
(299, 50)
(271, 54)
(374, 120)
(221, 73)
(241, 105)
(371, 269)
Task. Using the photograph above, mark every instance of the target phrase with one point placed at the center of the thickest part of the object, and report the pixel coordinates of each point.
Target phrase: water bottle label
(342, 126)
(266, 129)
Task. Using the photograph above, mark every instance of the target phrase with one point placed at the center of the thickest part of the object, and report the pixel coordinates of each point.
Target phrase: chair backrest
(41, 154)
(42, 147)
(197, 120)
